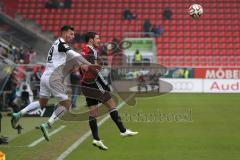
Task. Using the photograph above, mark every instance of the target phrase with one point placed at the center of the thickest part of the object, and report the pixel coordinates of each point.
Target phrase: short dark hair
(90, 35)
(66, 28)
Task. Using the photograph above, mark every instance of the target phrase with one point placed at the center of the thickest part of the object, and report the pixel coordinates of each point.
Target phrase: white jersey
(61, 58)
(57, 55)
(60, 61)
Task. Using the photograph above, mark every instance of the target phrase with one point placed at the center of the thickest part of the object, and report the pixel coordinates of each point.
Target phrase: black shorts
(97, 92)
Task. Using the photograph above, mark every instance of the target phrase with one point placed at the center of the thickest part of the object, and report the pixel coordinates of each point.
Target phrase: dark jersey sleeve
(63, 47)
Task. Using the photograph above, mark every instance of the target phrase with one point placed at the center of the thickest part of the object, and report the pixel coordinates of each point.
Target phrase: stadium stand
(211, 41)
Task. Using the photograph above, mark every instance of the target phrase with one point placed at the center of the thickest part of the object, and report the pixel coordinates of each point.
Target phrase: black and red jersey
(90, 54)
(92, 80)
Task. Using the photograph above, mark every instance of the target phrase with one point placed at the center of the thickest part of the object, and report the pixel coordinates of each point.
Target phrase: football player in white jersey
(61, 60)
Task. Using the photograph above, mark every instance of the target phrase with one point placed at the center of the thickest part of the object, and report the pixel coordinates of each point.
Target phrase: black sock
(94, 127)
(117, 119)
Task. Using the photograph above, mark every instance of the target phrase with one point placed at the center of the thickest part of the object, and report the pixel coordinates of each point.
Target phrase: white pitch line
(86, 135)
(42, 138)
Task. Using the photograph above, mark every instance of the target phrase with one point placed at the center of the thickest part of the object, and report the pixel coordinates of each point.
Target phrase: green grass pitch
(172, 126)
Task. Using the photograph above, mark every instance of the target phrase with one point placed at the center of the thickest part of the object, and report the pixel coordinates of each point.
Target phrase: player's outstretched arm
(78, 57)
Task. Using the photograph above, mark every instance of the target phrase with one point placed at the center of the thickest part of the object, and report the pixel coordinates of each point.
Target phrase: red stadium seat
(213, 34)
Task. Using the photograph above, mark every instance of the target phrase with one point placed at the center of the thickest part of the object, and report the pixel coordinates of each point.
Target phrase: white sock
(32, 106)
(58, 113)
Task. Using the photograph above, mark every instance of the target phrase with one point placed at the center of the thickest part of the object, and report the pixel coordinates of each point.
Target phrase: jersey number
(50, 54)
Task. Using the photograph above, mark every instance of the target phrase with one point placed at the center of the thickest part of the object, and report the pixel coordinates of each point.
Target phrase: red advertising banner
(217, 73)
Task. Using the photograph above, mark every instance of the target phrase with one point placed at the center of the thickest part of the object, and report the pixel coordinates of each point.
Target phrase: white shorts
(52, 86)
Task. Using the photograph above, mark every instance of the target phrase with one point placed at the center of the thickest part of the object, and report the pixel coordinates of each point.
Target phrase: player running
(60, 61)
(98, 91)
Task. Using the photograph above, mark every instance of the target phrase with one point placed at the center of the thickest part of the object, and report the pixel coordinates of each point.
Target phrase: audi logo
(183, 86)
